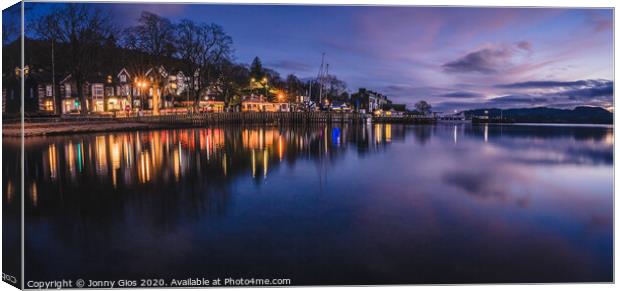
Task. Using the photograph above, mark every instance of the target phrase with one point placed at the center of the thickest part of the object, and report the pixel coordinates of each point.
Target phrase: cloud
(603, 25)
(483, 61)
(600, 91)
(487, 60)
(525, 45)
(476, 183)
(600, 20)
(127, 14)
(491, 59)
(461, 94)
(410, 90)
(521, 100)
(290, 65)
(605, 89)
(552, 84)
(557, 94)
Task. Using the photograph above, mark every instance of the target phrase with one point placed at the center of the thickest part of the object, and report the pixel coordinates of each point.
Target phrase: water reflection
(127, 160)
(374, 195)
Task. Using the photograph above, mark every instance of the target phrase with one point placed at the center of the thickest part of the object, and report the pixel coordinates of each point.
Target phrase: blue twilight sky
(454, 57)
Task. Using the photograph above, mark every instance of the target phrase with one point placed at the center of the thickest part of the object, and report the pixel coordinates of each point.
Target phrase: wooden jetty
(109, 123)
(246, 118)
(411, 119)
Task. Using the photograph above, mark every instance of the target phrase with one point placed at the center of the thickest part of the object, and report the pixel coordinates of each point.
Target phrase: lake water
(321, 205)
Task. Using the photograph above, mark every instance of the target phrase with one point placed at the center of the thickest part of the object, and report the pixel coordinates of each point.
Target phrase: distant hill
(581, 114)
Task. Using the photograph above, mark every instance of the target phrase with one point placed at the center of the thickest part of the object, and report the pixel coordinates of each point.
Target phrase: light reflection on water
(323, 204)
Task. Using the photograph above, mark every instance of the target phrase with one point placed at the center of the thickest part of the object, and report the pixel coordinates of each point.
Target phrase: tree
(264, 81)
(256, 69)
(83, 29)
(294, 87)
(423, 107)
(202, 48)
(46, 28)
(233, 80)
(215, 50)
(334, 87)
(188, 50)
(343, 97)
(154, 37)
(11, 24)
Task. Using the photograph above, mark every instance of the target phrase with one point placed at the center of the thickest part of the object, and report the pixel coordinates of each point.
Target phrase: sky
(456, 58)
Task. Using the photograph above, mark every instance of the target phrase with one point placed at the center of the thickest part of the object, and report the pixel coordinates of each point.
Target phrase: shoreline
(69, 128)
(93, 124)
(42, 129)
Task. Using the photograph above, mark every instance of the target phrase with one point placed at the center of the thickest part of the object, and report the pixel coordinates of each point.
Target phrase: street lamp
(141, 85)
(265, 86)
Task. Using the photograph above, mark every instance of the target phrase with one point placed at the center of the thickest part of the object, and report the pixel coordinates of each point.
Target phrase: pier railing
(411, 119)
(210, 118)
(249, 118)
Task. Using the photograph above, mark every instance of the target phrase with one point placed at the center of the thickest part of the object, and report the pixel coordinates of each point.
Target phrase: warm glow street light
(141, 84)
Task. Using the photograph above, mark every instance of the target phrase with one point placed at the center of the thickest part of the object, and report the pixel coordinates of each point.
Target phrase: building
(71, 102)
(124, 88)
(391, 110)
(280, 107)
(104, 93)
(46, 98)
(38, 91)
(254, 103)
(212, 106)
(257, 103)
(368, 101)
(340, 106)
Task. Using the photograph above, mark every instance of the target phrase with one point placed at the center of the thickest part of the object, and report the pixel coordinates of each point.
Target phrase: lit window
(48, 90)
(123, 78)
(49, 106)
(98, 90)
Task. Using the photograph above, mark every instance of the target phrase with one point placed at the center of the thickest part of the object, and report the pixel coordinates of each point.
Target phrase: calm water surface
(322, 205)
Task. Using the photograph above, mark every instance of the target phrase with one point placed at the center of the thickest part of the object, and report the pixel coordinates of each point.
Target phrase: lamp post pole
(54, 97)
(266, 87)
(142, 105)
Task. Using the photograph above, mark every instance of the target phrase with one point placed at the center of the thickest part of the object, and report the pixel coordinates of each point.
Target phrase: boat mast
(320, 78)
(325, 74)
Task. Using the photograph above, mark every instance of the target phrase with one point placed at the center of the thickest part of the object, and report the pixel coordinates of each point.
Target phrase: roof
(339, 103)
(253, 98)
(123, 70)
